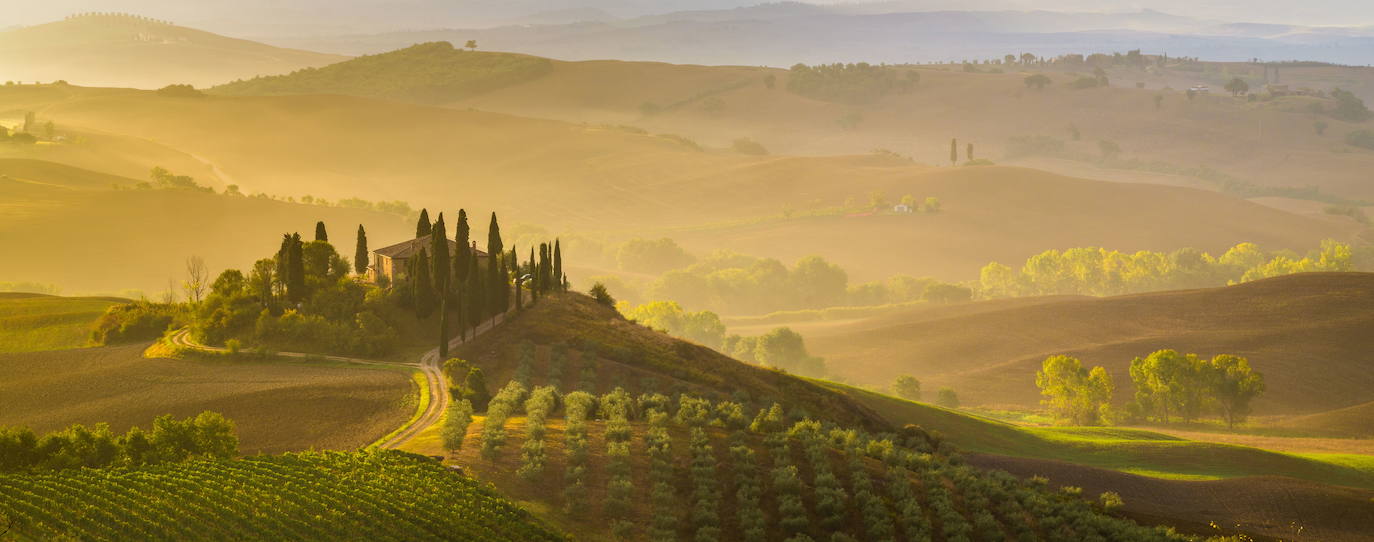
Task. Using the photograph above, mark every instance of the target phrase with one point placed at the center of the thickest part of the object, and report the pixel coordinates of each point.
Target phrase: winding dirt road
(430, 365)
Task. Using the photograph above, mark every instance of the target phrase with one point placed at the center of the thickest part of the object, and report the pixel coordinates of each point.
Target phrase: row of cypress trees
(442, 280)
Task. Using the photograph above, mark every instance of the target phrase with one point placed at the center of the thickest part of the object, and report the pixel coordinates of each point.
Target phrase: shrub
(139, 321)
(1361, 138)
(599, 293)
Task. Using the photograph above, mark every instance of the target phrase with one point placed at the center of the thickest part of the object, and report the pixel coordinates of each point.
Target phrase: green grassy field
(35, 322)
(1127, 450)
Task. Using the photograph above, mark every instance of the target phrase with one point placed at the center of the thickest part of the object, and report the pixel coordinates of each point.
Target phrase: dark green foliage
(429, 73)
(180, 91)
(947, 398)
(440, 263)
(320, 233)
(848, 83)
(953, 151)
(601, 295)
(1037, 81)
(462, 234)
(423, 287)
(295, 269)
(558, 261)
(456, 423)
(139, 321)
(1349, 107)
(208, 435)
(1361, 138)
(360, 253)
(422, 224)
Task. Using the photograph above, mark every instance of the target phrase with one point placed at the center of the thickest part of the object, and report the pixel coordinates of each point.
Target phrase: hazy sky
(265, 17)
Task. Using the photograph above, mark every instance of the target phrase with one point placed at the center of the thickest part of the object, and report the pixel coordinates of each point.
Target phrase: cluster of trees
(138, 321)
(1100, 272)
(909, 388)
(652, 256)
(207, 435)
(166, 180)
(501, 407)
(1168, 385)
(702, 327)
(781, 349)
(302, 299)
(180, 91)
(541, 402)
(456, 285)
(1349, 107)
(850, 83)
(732, 283)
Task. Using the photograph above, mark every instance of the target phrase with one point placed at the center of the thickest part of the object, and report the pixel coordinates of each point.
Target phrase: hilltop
(1160, 134)
(424, 73)
(989, 351)
(130, 51)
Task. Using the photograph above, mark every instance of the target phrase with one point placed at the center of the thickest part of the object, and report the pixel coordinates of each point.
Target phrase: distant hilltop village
(112, 15)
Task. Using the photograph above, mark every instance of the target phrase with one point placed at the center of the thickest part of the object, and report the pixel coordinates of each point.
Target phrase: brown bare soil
(1268, 507)
(1308, 334)
(277, 406)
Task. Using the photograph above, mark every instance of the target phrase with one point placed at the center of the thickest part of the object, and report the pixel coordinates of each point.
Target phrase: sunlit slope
(1267, 143)
(277, 405)
(95, 239)
(33, 322)
(1307, 333)
(127, 51)
(1007, 214)
(1353, 421)
(594, 178)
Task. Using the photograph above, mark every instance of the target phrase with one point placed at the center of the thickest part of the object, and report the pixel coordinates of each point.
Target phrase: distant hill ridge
(434, 72)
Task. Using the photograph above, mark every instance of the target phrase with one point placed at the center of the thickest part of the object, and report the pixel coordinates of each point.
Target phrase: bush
(1361, 138)
(748, 146)
(599, 293)
(139, 321)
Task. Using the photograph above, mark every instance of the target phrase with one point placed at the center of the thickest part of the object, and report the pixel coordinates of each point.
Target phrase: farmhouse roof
(408, 249)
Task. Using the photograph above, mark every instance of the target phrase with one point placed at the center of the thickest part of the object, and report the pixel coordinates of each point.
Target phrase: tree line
(1101, 272)
(1168, 386)
(207, 435)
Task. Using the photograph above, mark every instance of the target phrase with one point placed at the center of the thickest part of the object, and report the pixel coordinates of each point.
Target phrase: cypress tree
(424, 287)
(320, 233)
(475, 295)
(534, 280)
(443, 326)
(439, 246)
(295, 269)
(501, 288)
(953, 151)
(515, 281)
(422, 225)
(360, 254)
(495, 282)
(968, 154)
(283, 264)
(558, 262)
(494, 246)
(462, 236)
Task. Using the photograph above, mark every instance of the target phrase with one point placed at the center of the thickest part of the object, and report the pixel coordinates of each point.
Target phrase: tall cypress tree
(495, 283)
(295, 269)
(422, 225)
(462, 235)
(439, 246)
(360, 254)
(424, 287)
(534, 280)
(515, 279)
(558, 263)
(475, 296)
(953, 151)
(283, 265)
(320, 233)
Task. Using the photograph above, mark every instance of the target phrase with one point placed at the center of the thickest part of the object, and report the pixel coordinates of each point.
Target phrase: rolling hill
(570, 343)
(130, 51)
(33, 322)
(605, 180)
(1205, 141)
(278, 406)
(1304, 332)
(149, 232)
